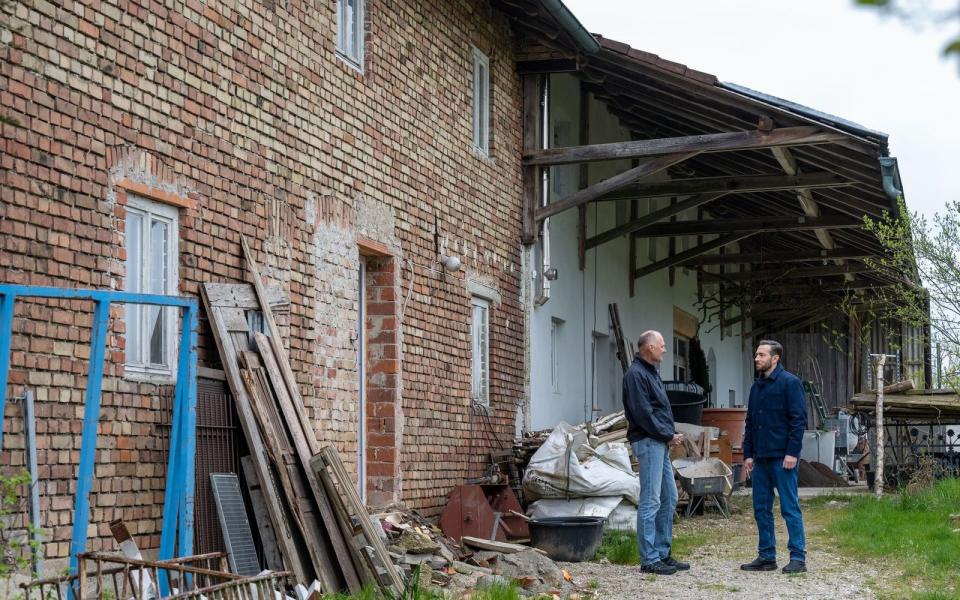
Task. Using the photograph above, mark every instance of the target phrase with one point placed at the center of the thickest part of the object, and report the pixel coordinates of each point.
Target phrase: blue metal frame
(179, 493)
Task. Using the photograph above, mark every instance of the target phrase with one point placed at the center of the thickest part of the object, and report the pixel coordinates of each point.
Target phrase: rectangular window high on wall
(481, 101)
(555, 353)
(151, 245)
(350, 32)
(480, 351)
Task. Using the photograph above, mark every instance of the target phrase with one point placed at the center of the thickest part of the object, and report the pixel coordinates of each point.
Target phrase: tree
(924, 258)
(921, 12)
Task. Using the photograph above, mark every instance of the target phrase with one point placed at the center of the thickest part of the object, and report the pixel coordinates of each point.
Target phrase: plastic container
(818, 446)
(730, 420)
(686, 401)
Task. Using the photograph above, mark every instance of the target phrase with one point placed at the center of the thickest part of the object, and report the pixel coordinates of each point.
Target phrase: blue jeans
(658, 500)
(768, 474)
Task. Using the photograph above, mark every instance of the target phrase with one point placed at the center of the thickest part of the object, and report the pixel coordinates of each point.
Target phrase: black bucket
(687, 407)
(570, 539)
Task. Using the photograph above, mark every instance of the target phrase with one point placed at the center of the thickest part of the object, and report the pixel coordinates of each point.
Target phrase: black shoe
(795, 566)
(658, 568)
(760, 564)
(676, 564)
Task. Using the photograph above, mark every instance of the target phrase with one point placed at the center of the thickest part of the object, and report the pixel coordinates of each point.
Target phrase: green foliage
(620, 548)
(912, 530)
(918, 13)
(15, 543)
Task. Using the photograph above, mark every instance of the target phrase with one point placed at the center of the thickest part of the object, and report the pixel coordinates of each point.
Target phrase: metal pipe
(30, 425)
(888, 173)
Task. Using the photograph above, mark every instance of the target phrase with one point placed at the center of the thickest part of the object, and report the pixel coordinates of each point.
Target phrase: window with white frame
(481, 101)
(350, 31)
(681, 358)
(480, 351)
(556, 330)
(151, 245)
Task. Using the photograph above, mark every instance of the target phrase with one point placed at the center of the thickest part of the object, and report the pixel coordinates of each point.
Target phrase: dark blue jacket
(645, 403)
(776, 416)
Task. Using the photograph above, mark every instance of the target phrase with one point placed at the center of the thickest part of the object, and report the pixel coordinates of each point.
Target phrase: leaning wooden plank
(331, 457)
(299, 436)
(502, 547)
(271, 551)
(224, 295)
(276, 341)
(354, 538)
(274, 441)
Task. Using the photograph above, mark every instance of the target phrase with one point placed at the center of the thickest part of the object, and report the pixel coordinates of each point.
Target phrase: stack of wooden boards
(315, 524)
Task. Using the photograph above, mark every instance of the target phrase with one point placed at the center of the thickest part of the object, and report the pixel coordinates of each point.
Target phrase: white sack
(565, 466)
(619, 513)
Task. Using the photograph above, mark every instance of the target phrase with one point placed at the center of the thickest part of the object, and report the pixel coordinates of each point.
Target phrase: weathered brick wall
(242, 112)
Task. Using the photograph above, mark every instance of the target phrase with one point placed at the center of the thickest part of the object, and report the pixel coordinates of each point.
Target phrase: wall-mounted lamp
(551, 274)
(450, 263)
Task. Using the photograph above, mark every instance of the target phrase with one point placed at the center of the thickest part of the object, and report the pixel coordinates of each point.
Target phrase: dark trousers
(768, 474)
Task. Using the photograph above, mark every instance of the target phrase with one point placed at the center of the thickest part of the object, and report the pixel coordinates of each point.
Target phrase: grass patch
(620, 547)
(718, 587)
(911, 530)
(821, 501)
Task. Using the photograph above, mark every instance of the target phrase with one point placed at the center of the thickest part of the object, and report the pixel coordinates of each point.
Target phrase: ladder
(622, 344)
(815, 398)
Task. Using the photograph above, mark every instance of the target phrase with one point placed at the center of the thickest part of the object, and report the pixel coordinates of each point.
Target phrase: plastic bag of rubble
(565, 466)
(619, 512)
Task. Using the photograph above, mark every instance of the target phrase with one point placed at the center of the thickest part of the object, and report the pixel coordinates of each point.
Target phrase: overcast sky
(827, 54)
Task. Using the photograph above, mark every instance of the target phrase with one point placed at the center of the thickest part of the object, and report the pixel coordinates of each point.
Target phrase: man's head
(768, 356)
(651, 346)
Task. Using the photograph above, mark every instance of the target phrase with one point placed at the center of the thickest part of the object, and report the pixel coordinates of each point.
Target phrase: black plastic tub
(570, 539)
(687, 407)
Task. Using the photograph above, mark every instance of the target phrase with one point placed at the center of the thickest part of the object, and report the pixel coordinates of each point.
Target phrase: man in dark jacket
(773, 435)
(651, 434)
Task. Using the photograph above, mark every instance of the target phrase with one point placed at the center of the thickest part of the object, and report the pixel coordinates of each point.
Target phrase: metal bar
(30, 425)
(7, 298)
(187, 386)
(95, 295)
(88, 447)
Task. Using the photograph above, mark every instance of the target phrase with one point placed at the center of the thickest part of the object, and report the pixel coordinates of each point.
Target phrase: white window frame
(556, 326)
(480, 351)
(355, 30)
(681, 361)
(150, 211)
(481, 102)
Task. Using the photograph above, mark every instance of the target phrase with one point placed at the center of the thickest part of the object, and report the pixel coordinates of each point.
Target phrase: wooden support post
(584, 137)
(532, 97)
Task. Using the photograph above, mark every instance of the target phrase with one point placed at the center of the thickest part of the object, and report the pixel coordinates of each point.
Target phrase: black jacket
(645, 403)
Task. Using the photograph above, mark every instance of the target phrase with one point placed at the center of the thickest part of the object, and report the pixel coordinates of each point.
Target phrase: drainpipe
(888, 173)
(569, 22)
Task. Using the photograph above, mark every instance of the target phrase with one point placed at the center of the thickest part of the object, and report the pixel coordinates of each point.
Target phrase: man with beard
(773, 435)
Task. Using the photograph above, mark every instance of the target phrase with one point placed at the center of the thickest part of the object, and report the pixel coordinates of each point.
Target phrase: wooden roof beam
(611, 184)
(752, 225)
(654, 217)
(787, 273)
(672, 261)
(764, 258)
(728, 185)
(713, 142)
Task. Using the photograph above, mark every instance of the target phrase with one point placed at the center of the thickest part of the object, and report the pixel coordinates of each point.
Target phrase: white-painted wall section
(575, 375)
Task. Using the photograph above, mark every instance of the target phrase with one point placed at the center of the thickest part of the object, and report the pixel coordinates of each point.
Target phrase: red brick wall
(245, 110)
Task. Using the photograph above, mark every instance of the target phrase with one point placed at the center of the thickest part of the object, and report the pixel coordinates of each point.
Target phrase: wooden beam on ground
(777, 257)
(654, 217)
(729, 185)
(713, 142)
(752, 225)
(610, 184)
(788, 273)
(531, 142)
(692, 252)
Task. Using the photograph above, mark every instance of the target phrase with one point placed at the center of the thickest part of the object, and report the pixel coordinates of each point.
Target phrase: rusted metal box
(483, 511)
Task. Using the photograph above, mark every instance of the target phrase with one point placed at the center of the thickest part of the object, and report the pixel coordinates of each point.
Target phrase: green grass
(912, 532)
(718, 587)
(620, 547)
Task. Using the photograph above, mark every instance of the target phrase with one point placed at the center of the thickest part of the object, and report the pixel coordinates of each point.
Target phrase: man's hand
(676, 441)
(789, 462)
(747, 467)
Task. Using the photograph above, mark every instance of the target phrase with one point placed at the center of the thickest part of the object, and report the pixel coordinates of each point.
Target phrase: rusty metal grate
(217, 452)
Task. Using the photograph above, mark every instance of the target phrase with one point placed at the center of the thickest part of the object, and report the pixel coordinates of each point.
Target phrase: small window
(681, 358)
(480, 351)
(481, 101)
(350, 31)
(151, 245)
(556, 330)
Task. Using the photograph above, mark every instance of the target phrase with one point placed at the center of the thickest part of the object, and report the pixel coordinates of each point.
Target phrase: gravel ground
(715, 568)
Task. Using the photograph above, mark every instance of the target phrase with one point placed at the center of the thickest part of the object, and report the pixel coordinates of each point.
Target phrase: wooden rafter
(728, 185)
(611, 184)
(788, 273)
(677, 259)
(748, 225)
(654, 217)
(770, 258)
(712, 142)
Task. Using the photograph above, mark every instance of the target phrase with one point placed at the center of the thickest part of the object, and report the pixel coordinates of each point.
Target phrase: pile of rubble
(414, 543)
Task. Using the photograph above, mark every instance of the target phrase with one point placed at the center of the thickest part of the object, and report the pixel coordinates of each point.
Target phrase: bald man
(651, 434)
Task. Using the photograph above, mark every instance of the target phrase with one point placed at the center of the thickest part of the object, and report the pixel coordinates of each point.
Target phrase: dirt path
(715, 571)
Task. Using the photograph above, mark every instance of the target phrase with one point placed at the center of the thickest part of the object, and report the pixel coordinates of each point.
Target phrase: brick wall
(242, 115)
